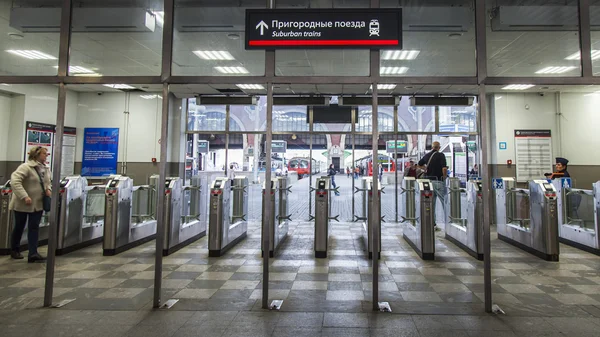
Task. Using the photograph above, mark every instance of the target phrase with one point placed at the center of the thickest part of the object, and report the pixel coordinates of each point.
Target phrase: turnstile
(465, 225)
(528, 218)
(75, 229)
(227, 215)
(322, 216)
(578, 215)
(419, 216)
(184, 220)
(276, 220)
(368, 219)
(129, 214)
(6, 224)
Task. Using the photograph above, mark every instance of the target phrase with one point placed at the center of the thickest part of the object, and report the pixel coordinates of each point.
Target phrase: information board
(42, 134)
(401, 145)
(279, 146)
(533, 154)
(203, 146)
(324, 28)
(100, 152)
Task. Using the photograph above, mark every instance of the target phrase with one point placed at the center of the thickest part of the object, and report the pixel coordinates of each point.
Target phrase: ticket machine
(227, 214)
(528, 218)
(419, 216)
(122, 228)
(184, 220)
(578, 215)
(465, 225)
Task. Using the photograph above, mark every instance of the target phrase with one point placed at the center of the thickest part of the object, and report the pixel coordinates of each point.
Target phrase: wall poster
(533, 153)
(41, 134)
(100, 152)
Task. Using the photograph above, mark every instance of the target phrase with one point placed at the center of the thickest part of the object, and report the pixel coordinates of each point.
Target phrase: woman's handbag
(46, 200)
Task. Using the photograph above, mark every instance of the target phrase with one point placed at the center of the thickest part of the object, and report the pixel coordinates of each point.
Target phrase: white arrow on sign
(262, 25)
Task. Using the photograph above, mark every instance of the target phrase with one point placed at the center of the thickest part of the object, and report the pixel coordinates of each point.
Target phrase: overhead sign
(100, 152)
(400, 146)
(324, 28)
(279, 146)
(203, 146)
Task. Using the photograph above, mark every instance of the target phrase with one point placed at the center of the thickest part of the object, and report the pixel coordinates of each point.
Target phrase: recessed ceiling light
(232, 70)
(498, 97)
(214, 55)
(151, 96)
(393, 70)
(577, 56)
(78, 70)
(233, 36)
(384, 87)
(455, 36)
(250, 86)
(518, 87)
(597, 93)
(400, 54)
(409, 87)
(32, 54)
(555, 70)
(15, 36)
(119, 86)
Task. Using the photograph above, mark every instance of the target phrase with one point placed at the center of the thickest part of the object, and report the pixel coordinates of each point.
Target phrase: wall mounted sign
(203, 146)
(279, 146)
(400, 145)
(502, 146)
(533, 153)
(100, 152)
(324, 28)
(41, 134)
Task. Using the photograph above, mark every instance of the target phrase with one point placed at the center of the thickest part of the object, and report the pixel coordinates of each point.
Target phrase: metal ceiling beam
(585, 43)
(542, 80)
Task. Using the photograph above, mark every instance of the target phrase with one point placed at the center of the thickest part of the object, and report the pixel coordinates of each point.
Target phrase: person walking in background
(348, 172)
(356, 172)
(380, 171)
(411, 170)
(436, 169)
(30, 183)
(331, 172)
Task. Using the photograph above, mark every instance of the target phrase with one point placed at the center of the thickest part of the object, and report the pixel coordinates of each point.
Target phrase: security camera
(541, 94)
(100, 94)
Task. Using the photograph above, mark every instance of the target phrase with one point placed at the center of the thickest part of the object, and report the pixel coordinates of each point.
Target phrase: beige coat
(25, 182)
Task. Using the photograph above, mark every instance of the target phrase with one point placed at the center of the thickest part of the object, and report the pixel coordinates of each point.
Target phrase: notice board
(533, 154)
(100, 152)
(42, 134)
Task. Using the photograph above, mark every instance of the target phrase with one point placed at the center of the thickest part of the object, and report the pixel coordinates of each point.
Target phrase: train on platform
(388, 163)
(305, 166)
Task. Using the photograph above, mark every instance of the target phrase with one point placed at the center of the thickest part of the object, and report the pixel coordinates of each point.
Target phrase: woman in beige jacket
(27, 201)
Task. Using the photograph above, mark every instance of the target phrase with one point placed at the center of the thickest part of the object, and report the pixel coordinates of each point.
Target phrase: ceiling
(442, 53)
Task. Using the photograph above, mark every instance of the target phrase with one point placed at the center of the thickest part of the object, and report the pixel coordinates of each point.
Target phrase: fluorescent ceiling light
(518, 87)
(597, 93)
(32, 54)
(232, 70)
(119, 86)
(214, 54)
(78, 70)
(250, 86)
(384, 87)
(554, 70)
(577, 56)
(160, 18)
(150, 96)
(400, 54)
(498, 97)
(393, 70)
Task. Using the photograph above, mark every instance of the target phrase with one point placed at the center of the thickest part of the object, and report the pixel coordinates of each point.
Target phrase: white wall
(580, 128)
(106, 111)
(515, 111)
(5, 105)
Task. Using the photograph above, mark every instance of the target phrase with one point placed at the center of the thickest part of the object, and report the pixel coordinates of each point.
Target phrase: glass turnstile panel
(143, 204)
(521, 210)
(94, 206)
(580, 209)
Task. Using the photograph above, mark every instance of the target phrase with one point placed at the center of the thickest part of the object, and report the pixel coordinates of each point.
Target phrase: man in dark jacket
(331, 172)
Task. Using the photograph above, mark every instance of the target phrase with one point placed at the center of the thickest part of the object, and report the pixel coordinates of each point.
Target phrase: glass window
(208, 39)
(438, 39)
(331, 62)
(290, 118)
(121, 38)
(415, 118)
(595, 17)
(533, 38)
(206, 117)
(458, 119)
(29, 49)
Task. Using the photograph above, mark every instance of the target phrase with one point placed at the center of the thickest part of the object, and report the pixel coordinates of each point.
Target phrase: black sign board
(203, 146)
(278, 146)
(324, 28)
(333, 114)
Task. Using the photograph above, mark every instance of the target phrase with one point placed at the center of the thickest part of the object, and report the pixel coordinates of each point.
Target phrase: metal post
(63, 63)
(162, 165)
(268, 207)
(396, 160)
(353, 134)
(227, 117)
(484, 125)
(585, 42)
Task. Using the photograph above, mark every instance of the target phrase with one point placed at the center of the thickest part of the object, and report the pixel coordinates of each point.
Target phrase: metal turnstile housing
(225, 231)
(120, 231)
(322, 215)
(369, 220)
(276, 221)
(465, 225)
(418, 231)
(538, 234)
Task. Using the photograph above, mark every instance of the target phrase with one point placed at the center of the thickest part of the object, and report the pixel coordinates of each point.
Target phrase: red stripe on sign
(324, 43)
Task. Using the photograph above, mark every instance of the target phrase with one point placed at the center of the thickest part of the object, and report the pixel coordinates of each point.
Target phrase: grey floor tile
(392, 321)
(574, 325)
(491, 333)
(437, 322)
(345, 332)
(152, 331)
(482, 323)
(528, 324)
(160, 317)
(249, 331)
(442, 333)
(206, 284)
(212, 318)
(354, 320)
(375, 332)
(195, 331)
(301, 319)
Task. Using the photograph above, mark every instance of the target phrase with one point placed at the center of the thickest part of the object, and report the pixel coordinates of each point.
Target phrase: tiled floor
(322, 297)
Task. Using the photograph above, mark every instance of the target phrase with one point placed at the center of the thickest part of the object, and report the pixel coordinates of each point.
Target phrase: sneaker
(36, 258)
(16, 255)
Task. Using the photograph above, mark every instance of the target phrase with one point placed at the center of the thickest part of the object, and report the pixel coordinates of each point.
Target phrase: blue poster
(100, 152)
